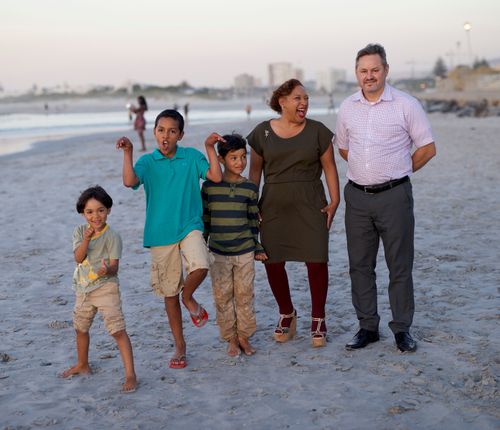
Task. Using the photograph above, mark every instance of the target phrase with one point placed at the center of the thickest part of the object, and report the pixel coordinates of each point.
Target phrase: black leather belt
(374, 189)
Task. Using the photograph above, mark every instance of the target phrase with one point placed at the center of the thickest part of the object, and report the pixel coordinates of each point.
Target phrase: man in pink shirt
(376, 131)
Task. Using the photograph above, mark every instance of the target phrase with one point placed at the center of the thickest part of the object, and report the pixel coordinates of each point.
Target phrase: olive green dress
(293, 227)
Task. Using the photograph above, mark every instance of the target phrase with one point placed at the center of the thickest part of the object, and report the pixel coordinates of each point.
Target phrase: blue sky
(164, 42)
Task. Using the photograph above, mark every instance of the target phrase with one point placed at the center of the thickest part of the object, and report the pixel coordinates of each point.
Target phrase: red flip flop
(200, 317)
(178, 362)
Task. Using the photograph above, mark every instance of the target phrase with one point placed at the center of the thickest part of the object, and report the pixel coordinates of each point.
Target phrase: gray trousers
(387, 215)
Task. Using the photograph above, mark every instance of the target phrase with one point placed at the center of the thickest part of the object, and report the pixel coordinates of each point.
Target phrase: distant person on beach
(293, 151)
(174, 226)
(248, 110)
(376, 130)
(331, 104)
(230, 214)
(140, 120)
(97, 250)
(186, 111)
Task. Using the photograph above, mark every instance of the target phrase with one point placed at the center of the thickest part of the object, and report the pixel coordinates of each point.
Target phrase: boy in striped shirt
(230, 215)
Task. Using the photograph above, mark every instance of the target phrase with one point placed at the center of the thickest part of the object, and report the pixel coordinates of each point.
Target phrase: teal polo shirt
(173, 199)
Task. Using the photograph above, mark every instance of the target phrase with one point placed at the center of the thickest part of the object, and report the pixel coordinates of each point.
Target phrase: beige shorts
(105, 300)
(167, 263)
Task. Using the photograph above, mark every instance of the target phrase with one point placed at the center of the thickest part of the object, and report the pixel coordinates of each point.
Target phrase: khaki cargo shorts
(167, 263)
(105, 300)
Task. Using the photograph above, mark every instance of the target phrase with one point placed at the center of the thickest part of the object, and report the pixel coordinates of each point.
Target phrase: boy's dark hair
(285, 89)
(372, 49)
(233, 142)
(97, 193)
(171, 113)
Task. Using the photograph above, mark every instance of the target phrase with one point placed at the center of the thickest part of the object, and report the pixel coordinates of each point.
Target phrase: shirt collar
(99, 234)
(179, 153)
(386, 96)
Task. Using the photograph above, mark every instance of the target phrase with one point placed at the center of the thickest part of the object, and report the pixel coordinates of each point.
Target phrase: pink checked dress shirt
(379, 136)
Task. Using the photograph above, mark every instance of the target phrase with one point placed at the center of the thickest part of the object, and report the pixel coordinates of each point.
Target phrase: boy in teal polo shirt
(174, 227)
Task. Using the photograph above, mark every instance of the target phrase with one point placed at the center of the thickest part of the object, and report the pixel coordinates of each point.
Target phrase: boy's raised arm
(80, 252)
(129, 177)
(214, 172)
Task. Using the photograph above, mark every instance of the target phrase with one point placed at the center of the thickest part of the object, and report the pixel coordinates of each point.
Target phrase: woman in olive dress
(293, 151)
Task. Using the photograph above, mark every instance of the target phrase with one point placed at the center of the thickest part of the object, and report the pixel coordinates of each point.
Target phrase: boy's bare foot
(129, 385)
(76, 370)
(245, 345)
(233, 347)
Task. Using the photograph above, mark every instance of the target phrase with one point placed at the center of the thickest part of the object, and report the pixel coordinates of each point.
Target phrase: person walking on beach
(140, 120)
(174, 227)
(293, 152)
(375, 132)
(230, 214)
(97, 250)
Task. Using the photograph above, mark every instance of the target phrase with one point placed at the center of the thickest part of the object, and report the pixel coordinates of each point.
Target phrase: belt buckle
(366, 190)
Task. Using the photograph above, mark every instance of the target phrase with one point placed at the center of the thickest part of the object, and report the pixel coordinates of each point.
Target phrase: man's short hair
(372, 49)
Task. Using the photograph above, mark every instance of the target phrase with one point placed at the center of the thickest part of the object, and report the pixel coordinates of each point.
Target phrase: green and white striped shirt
(230, 215)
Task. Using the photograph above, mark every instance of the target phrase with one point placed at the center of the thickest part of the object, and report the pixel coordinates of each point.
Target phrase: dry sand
(450, 382)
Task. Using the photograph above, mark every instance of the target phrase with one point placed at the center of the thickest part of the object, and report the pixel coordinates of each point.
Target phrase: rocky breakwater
(462, 103)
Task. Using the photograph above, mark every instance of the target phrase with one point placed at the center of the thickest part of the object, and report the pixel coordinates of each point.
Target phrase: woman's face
(294, 106)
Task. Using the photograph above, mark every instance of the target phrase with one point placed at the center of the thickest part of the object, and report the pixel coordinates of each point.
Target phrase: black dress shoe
(405, 342)
(362, 338)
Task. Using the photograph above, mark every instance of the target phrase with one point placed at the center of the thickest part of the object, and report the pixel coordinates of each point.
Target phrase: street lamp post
(467, 28)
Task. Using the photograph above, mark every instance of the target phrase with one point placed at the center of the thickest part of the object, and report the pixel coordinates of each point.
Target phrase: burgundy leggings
(318, 285)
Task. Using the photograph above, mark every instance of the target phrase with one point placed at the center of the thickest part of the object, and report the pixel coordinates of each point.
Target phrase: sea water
(19, 131)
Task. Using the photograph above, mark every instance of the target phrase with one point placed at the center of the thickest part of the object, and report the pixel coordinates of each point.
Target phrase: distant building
(309, 85)
(327, 80)
(495, 64)
(244, 85)
(281, 72)
(299, 74)
(463, 78)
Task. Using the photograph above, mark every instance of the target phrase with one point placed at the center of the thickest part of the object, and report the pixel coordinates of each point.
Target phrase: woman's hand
(261, 256)
(330, 211)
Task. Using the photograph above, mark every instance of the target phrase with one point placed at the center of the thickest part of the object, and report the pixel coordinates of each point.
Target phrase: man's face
(371, 75)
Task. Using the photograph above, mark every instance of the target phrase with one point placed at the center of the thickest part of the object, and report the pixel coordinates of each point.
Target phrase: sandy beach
(450, 382)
